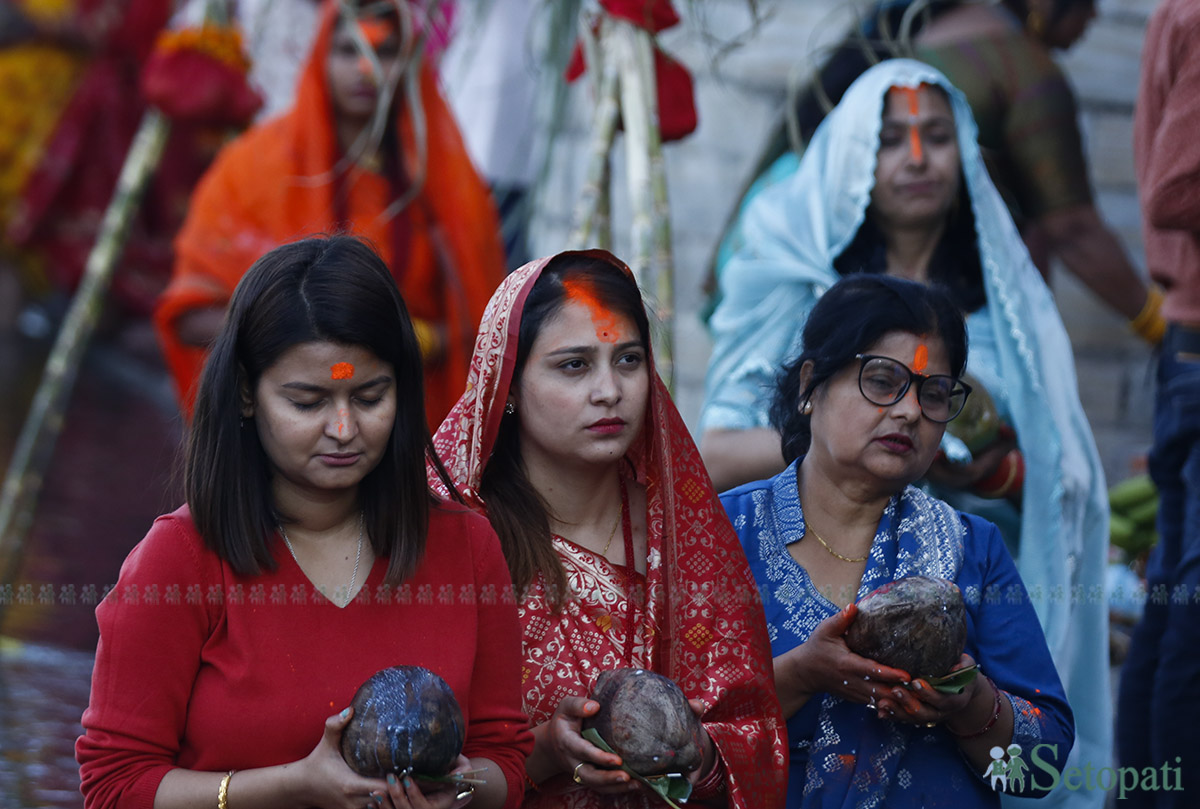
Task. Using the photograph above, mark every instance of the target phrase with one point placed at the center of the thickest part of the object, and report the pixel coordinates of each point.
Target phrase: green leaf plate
(955, 681)
(674, 788)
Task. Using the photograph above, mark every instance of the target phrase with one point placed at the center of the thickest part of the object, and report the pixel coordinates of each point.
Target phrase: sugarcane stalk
(35, 444)
(650, 232)
(602, 234)
(592, 198)
(660, 223)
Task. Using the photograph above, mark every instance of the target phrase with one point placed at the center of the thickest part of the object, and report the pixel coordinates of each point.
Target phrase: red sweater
(1167, 155)
(203, 669)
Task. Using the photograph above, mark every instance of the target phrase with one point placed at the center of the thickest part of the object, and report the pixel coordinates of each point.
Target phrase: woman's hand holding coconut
(825, 664)
(408, 793)
(559, 747)
(326, 779)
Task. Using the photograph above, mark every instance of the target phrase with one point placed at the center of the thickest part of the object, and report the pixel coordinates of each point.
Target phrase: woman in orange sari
(620, 554)
(351, 155)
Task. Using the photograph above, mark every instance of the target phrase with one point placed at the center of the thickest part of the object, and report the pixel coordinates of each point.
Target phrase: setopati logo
(1009, 772)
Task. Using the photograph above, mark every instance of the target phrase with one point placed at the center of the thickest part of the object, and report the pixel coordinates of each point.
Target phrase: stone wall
(738, 95)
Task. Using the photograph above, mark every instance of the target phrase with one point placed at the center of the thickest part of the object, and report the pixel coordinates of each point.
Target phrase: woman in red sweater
(244, 622)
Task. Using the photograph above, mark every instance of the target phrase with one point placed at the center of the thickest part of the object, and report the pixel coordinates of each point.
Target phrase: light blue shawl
(791, 233)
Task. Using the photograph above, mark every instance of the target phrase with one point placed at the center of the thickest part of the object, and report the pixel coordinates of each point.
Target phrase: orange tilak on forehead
(376, 30)
(341, 370)
(914, 110)
(920, 360)
(603, 319)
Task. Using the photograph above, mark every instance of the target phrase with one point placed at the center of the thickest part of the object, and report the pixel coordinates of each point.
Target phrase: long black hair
(516, 510)
(337, 290)
(857, 312)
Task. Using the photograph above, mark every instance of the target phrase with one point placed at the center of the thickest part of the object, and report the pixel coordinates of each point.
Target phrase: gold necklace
(808, 529)
(357, 557)
(611, 533)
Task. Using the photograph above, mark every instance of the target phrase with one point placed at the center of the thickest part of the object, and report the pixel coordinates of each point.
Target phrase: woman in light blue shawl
(794, 231)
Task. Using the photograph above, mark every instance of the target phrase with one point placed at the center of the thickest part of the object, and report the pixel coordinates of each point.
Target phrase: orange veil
(281, 181)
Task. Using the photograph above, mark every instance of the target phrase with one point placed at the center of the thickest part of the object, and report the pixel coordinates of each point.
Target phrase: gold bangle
(223, 791)
(1149, 323)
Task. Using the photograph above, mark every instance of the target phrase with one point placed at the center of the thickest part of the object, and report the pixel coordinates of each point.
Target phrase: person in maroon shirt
(311, 554)
(1158, 715)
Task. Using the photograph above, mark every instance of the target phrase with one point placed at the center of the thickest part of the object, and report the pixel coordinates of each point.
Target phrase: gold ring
(575, 774)
(931, 724)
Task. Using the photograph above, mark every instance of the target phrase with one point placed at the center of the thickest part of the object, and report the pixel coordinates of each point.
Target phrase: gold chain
(808, 529)
(611, 534)
(357, 557)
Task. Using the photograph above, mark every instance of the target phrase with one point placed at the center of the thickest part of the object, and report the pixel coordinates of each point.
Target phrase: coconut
(406, 719)
(645, 718)
(917, 624)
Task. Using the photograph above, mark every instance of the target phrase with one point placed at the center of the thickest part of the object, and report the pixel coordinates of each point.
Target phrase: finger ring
(466, 791)
(931, 724)
(575, 774)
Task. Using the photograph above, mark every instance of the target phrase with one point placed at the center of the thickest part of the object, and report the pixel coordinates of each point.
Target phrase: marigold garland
(220, 42)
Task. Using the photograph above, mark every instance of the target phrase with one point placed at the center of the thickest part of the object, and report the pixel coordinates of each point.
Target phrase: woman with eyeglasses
(893, 183)
(861, 413)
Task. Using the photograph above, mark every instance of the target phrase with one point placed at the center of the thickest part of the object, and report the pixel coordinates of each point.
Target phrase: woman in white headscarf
(893, 182)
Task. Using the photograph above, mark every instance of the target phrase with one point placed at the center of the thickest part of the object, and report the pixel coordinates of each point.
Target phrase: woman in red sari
(621, 557)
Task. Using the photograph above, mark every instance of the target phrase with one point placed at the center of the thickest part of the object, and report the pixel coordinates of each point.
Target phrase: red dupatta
(702, 610)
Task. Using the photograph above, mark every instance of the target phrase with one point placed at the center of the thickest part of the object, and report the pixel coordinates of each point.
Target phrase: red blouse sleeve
(153, 626)
(499, 729)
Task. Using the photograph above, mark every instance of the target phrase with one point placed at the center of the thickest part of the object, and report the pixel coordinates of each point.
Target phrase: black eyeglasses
(884, 381)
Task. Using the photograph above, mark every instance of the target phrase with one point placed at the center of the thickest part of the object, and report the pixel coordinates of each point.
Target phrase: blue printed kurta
(841, 753)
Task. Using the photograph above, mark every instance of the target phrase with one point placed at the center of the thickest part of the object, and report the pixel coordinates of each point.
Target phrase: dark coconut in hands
(645, 718)
(406, 719)
(917, 624)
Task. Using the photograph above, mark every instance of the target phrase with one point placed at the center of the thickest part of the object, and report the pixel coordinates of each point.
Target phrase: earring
(1035, 23)
(510, 408)
(806, 408)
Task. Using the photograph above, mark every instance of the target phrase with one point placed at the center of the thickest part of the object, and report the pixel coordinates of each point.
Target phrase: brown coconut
(917, 624)
(406, 719)
(645, 718)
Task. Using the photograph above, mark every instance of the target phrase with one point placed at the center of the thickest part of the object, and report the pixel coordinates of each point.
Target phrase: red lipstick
(607, 426)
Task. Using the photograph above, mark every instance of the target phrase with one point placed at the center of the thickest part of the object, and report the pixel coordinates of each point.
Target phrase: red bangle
(1009, 476)
(990, 723)
(529, 782)
(712, 784)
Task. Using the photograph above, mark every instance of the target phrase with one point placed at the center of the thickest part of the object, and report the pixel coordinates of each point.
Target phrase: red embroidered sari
(702, 624)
